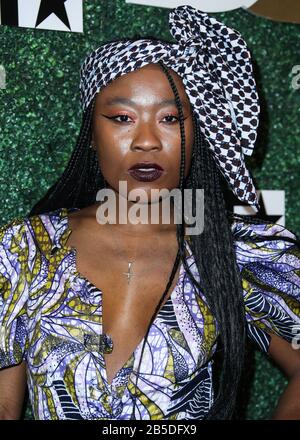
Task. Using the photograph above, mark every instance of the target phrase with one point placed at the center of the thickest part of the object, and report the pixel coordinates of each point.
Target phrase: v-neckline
(65, 232)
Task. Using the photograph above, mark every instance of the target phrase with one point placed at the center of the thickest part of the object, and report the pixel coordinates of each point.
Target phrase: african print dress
(51, 317)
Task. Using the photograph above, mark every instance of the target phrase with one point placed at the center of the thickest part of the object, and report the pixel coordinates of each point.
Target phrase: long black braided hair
(213, 249)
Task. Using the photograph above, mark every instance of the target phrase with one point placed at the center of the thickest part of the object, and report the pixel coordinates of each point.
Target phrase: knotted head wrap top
(215, 66)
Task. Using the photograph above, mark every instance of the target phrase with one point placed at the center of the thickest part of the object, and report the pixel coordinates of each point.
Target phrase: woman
(98, 338)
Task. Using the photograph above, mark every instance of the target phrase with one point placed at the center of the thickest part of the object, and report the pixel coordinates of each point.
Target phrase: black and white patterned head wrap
(215, 66)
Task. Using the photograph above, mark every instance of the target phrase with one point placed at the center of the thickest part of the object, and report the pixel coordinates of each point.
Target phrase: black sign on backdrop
(32, 14)
(9, 12)
(54, 6)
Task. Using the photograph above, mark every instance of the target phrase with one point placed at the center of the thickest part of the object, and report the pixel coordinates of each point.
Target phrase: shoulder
(12, 233)
(267, 253)
(12, 245)
(268, 257)
(264, 240)
(28, 232)
(255, 229)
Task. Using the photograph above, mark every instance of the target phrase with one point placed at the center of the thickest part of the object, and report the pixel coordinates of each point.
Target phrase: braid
(219, 275)
(180, 226)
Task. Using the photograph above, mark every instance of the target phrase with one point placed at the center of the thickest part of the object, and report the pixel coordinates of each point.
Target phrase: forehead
(149, 79)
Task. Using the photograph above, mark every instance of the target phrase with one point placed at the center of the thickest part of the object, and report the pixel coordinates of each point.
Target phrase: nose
(146, 137)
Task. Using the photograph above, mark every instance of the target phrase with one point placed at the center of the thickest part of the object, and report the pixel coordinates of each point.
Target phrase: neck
(136, 218)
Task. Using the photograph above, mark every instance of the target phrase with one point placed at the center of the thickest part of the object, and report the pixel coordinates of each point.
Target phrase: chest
(132, 279)
(72, 308)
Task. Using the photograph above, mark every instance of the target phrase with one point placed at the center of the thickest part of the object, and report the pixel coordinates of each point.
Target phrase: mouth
(146, 171)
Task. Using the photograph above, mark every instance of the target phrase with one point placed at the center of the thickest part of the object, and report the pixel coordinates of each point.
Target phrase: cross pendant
(129, 274)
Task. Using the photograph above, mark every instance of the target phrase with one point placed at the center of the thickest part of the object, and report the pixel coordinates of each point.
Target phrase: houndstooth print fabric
(215, 66)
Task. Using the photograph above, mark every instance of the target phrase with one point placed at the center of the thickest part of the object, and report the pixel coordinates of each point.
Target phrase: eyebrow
(127, 101)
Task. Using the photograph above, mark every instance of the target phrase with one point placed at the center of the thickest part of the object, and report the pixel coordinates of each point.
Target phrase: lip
(146, 176)
(145, 165)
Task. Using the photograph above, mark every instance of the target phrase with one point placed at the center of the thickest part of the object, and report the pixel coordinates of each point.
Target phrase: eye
(114, 118)
(170, 117)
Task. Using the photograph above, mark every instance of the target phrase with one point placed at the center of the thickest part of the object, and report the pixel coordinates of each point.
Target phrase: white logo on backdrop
(272, 206)
(278, 10)
(296, 78)
(203, 5)
(2, 77)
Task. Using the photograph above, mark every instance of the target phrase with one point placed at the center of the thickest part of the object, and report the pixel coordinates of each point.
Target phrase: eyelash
(121, 122)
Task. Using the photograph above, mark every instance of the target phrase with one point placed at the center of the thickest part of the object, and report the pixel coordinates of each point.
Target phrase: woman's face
(136, 120)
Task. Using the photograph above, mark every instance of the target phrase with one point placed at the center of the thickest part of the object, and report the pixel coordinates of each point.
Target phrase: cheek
(109, 151)
(111, 146)
(105, 137)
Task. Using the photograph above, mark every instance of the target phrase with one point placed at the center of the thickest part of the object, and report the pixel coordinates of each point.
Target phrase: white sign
(272, 204)
(61, 15)
(202, 5)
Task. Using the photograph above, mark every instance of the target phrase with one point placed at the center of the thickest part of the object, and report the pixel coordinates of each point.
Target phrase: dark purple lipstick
(146, 171)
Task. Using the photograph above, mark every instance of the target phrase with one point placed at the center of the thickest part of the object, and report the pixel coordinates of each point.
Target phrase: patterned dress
(51, 316)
